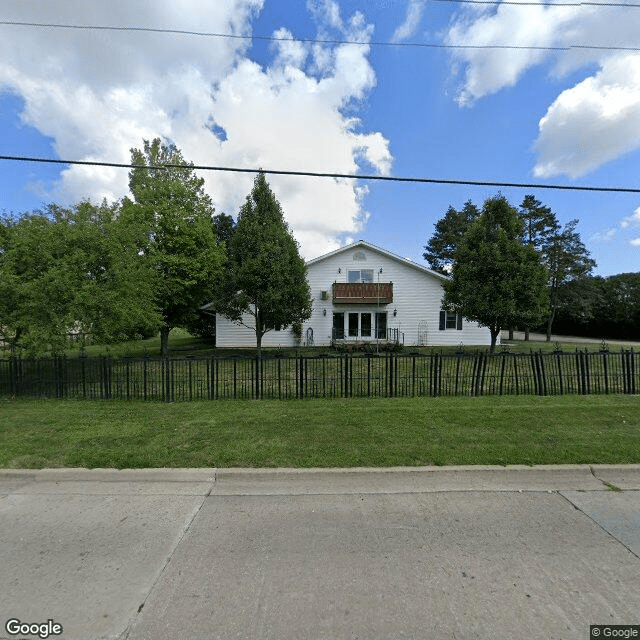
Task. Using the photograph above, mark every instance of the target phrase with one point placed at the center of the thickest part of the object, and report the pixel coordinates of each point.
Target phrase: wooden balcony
(371, 293)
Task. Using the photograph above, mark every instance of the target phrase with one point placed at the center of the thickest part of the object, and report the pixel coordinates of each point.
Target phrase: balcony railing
(363, 293)
(387, 335)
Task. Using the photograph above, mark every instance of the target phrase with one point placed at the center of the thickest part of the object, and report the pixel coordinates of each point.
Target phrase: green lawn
(183, 344)
(320, 433)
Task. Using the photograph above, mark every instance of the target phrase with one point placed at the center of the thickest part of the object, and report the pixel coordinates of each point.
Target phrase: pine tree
(267, 277)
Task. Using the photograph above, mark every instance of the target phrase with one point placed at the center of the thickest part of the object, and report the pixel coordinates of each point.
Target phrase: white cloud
(97, 94)
(489, 70)
(632, 220)
(593, 122)
(604, 236)
(635, 242)
(411, 22)
(588, 124)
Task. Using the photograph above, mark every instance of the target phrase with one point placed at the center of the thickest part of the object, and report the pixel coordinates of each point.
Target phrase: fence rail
(335, 376)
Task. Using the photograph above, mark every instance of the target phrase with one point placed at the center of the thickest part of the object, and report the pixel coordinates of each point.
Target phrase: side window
(450, 320)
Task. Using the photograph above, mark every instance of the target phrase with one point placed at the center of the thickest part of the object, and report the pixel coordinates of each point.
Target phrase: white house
(364, 293)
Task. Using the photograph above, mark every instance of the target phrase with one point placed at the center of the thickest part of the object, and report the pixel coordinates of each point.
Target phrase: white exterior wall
(230, 334)
(417, 299)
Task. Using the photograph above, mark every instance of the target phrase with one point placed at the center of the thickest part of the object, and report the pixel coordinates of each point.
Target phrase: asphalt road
(464, 552)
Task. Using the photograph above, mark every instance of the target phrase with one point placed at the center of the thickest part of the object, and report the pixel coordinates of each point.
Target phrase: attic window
(360, 275)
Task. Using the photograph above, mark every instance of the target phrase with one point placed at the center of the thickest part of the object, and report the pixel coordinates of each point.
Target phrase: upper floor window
(360, 275)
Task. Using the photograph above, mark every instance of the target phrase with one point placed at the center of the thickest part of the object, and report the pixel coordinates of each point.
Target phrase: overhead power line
(316, 174)
(424, 45)
(542, 4)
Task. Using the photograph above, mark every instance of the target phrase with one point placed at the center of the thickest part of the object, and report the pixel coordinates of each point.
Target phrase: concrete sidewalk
(431, 552)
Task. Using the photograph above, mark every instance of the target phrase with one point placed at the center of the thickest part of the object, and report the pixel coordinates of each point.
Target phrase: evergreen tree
(539, 222)
(567, 260)
(440, 250)
(267, 277)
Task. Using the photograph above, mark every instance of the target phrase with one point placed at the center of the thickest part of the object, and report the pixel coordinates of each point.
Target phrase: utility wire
(425, 45)
(542, 4)
(315, 174)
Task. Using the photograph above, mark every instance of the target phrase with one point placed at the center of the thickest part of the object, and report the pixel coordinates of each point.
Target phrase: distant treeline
(598, 307)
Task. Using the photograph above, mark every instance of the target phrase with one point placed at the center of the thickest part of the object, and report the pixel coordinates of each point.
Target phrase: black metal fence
(327, 376)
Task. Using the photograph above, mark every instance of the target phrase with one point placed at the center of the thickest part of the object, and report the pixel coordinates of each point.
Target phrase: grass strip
(371, 432)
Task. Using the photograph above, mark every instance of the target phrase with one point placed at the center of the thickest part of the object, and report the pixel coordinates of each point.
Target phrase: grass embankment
(321, 433)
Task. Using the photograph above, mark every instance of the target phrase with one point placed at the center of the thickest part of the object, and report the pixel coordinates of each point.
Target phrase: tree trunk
(552, 312)
(526, 334)
(550, 320)
(495, 332)
(164, 341)
(511, 333)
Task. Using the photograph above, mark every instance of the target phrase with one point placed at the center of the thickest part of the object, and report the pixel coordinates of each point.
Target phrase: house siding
(417, 300)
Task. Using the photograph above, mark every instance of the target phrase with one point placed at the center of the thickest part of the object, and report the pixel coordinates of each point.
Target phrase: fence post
(632, 370)
(110, 377)
(103, 386)
(13, 379)
(432, 386)
(166, 394)
(302, 390)
(346, 375)
(543, 375)
(391, 386)
(235, 381)
(279, 380)
(455, 390)
(477, 375)
(58, 376)
(413, 376)
(536, 382)
(83, 374)
(605, 366)
(559, 364)
(628, 377)
(583, 382)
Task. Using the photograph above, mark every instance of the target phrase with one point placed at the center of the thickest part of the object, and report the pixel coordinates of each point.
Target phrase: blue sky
(559, 114)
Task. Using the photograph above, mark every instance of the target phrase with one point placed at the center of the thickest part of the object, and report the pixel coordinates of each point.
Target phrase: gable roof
(379, 250)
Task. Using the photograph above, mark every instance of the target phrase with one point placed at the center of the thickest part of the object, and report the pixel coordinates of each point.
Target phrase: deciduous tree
(497, 279)
(171, 214)
(65, 269)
